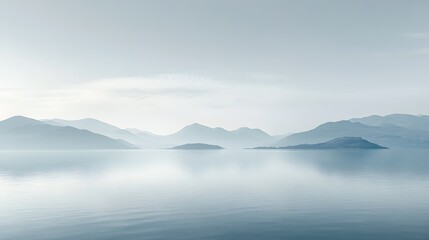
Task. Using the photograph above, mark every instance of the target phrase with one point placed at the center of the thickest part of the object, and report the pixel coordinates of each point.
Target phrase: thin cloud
(147, 93)
(421, 51)
(418, 35)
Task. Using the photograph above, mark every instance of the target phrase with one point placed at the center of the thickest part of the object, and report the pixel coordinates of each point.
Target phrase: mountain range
(392, 131)
(25, 133)
(139, 139)
(239, 138)
(419, 123)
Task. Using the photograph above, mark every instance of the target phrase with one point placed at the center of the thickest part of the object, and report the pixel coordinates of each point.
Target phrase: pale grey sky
(282, 66)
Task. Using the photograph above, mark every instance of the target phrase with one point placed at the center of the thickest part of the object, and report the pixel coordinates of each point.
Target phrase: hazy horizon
(210, 126)
(281, 66)
(214, 119)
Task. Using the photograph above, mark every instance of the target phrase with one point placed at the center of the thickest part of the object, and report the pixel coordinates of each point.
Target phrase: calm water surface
(220, 194)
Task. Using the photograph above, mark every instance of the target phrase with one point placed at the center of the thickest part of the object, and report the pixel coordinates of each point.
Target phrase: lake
(216, 194)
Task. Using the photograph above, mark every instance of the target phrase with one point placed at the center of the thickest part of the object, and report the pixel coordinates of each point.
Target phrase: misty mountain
(25, 133)
(240, 138)
(408, 121)
(254, 133)
(140, 138)
(391, 136)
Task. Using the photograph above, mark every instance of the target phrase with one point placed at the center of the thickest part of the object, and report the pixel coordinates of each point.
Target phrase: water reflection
(341, 162)
(240, 194)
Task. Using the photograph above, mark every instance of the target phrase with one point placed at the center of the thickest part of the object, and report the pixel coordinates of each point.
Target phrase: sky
(282, 66)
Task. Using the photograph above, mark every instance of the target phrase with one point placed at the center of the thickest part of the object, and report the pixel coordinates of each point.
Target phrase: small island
(337, 143)
(197, 146)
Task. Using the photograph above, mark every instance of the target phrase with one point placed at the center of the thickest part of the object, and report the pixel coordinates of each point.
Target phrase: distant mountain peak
(401, 115)
(20, 120)
(344, 123)
(196, 126)
(247, 129)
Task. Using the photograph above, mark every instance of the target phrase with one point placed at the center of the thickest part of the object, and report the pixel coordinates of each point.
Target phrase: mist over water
(218, 194)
